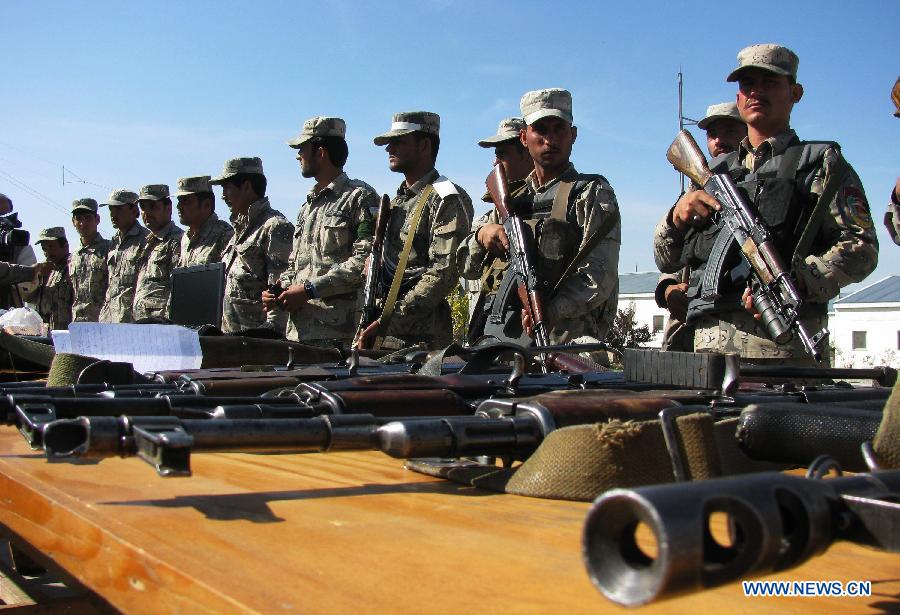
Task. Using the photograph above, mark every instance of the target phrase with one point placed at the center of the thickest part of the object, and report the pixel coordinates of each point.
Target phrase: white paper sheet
(147, 347)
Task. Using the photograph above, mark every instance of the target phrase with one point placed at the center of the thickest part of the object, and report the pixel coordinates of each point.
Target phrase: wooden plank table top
(331, 533)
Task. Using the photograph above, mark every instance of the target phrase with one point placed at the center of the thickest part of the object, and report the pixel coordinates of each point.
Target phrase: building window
(659, 320)
(859, 340)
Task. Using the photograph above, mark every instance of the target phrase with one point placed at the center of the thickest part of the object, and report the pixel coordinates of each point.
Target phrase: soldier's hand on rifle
(42, 270)
(493, 238)
(293, 298)
(367, 336)
(527, 322)
(677, 301)
(693, 209)
(747, 298)
(269, 301)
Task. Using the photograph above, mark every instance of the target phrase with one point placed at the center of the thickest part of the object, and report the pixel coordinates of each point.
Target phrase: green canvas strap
(838, 174)
(599, 234)
(391, 298)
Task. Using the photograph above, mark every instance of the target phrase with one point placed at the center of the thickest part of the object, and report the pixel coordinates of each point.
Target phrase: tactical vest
(779, 191)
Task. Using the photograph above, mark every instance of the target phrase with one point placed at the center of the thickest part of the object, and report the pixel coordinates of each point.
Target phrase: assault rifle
(166, 442)
(370, 311)
(775, 295)
(521, 249)
(777, 521)
(521, 269)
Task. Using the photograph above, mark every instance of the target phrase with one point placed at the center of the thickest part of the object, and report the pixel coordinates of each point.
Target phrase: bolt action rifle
(775, 295)
(370, 309)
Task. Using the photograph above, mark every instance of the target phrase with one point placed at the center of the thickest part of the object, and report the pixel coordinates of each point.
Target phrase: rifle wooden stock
(686, 157)
(498, 188)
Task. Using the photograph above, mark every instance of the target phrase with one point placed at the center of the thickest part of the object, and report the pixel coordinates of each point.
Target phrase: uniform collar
(420, 185)
(165, 231)
(773, 146)
(568, 174)
(134, 230)
(94, 242)
(256, 209)
(205, 228)
(335, 186)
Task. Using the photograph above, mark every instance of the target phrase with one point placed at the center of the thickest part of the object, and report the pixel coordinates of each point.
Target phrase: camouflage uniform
(422, 313)
(52, 297)
(161, 253)
(122, 265)
(332, 239)
(13, 274)
(207, 245)
(255, 257)
(88, 271)
(844, 250)
(585, 304)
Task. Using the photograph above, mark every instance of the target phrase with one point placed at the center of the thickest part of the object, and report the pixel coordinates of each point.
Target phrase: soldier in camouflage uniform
(206, 236)
(725, 129)
(421, 312)
(123, 258)
(332, 238)
(259, 250)
(578, 231)
(87, 266)
(53, 294)
(796, 175)
(160, 255)
(517, 162)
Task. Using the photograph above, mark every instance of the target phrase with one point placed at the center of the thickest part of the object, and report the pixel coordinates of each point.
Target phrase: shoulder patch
(854, 208)
(444, 187)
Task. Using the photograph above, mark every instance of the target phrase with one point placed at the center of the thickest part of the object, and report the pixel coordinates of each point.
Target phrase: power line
(31, 191)
(80, 180)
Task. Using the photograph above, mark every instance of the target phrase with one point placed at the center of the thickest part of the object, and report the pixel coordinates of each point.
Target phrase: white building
(638, 289)
(865, 325)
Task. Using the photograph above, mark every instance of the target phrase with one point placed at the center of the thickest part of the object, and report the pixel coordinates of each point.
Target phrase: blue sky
(128, 93)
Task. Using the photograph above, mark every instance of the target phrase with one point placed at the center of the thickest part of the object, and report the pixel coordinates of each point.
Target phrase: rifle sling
(598, 235)
(391, 300)
(838, 174)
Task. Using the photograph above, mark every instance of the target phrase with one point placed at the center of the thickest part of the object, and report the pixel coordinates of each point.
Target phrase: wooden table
(335, 533)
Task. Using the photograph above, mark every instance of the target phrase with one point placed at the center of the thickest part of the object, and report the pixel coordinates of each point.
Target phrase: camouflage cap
(84, 205)
(773, 58)
(121, 197)
(319, 127)
(411, 121)
(721, 111)
(507, 130)
(544, 103)
(52, 234)
(193, 185)
(154, 192)
(234, 166)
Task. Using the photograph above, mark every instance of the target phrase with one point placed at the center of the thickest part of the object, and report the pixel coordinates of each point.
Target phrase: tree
(625, 332)
(459, 312)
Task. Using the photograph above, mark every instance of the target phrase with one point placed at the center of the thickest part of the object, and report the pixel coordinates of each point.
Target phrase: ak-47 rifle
(166, 442)
(777, 522)
(521, 250)
(521, 267)
(775, 295)
(370, 311)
